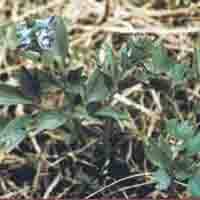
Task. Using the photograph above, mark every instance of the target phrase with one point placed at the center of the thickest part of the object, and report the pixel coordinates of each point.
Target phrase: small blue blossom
(42, 33)
(45, 38)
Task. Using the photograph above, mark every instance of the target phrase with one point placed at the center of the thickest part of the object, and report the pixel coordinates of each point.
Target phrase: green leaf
(108, 112)
(98, 87)
(160, 59)
(3, 29)
(162, 178)
(136, 52)
(157, 155)
(194, 186)
(11, 37)
(162, 62)
(180, 130)
(110, 65)
(3, 123)
(178, 71)
(14, 133)
(165, 146)
(109, 58)
(184, 168)
(196, 62)
(34, 56)
(10, 95)
(49, 120)
(124, 58)
(61, 44)
(81, 113)
(193, 145)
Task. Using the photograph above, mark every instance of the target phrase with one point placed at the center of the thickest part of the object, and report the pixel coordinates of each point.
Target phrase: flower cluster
(38, 35)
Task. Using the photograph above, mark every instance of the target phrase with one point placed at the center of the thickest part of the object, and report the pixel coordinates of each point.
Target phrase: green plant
(88, 98)
(176, 161)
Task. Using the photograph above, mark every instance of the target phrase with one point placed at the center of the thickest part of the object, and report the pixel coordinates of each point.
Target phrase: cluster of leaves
(176, 160)
(89, 97)
(86, 98)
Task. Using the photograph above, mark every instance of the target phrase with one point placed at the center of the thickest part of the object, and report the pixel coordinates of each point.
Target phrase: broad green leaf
(10, 95)
(178, 72)
(183, 168)
(160, 59)
(49, 120)
(193, 145)
(109, 112)
(180, 130)
(162, 62)
(157, 155)
(14, 133)
(162, 178)
(3, 123)
(98, 87)
(194, 186)
(61, 44)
